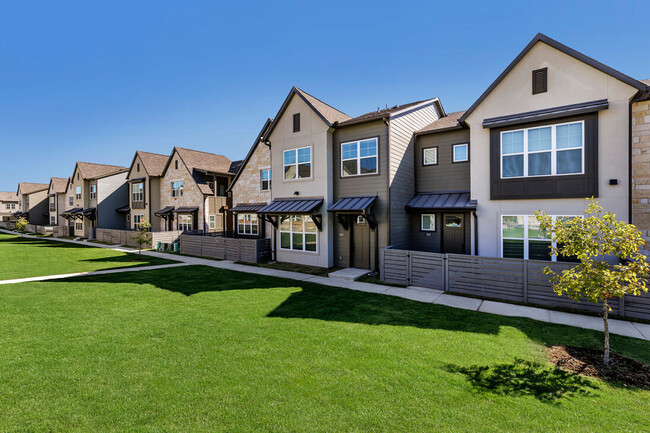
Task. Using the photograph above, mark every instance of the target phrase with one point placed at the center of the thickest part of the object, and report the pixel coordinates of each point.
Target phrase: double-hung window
(359, 157)
(177, 188)
(297, 163)
(523, 238)
(77, 193)
(298, 233)
(265, 179)
(136, 220)
(545, 151)
(52, 220)
(247, 224)
(71, 200)
(185, 222)
(137, 192)
(212, 221)
(93, 192)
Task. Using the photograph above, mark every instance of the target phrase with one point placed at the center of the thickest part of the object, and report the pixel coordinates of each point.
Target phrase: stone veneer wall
(247, 188)
(192, 196)
(641, 168)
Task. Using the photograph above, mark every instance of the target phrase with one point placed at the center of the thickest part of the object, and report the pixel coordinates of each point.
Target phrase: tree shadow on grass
(525, 378)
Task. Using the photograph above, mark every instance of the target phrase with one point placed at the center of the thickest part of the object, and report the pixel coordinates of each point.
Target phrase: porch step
(349, 274)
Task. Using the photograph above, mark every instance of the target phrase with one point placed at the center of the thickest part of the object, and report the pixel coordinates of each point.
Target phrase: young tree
(21, 224)
(610, 263)
(142, 236)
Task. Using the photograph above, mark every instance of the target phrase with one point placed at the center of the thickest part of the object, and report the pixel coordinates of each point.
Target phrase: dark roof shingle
(380, 113)
(450, 121)
(8, 196)
(91, 170)
(59, 184)
(154, 163)
(29, 188)
(327, 111)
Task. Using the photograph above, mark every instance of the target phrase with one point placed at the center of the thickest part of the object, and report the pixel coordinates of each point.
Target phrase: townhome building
(33, 202)
(94, 194)
(250, 190)
(57, 200)
(144, 178)
(193, 193)
(339, 184)
(9, 205)
(554, 128)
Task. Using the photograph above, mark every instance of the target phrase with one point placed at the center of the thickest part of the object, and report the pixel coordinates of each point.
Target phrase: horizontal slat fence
(235, 249)
(125, 237)
(496, 278)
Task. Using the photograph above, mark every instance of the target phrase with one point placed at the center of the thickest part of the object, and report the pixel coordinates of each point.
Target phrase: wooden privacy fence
(235, 249)
(125, 237)
(495, 278)
(9, 225)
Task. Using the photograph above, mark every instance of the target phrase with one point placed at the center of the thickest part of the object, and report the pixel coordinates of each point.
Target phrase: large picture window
(177, 188)
(185, 222)
(137, 191)
(298, 233)
(297, 163)
(359, 157)
(247, 224)
(523, 238)
(545, 151)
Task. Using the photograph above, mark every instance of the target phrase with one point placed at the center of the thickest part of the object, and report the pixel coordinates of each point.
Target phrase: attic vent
(138, 167)
(540, 81)
(176, 164)
(296, 122)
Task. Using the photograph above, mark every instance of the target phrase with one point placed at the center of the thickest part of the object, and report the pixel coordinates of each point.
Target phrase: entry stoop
(349, 274)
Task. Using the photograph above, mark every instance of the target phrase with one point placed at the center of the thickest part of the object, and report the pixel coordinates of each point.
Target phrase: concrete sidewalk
(419, 294)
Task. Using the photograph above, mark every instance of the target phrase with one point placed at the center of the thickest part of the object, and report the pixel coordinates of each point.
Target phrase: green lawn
(200, 349)
(22, 257)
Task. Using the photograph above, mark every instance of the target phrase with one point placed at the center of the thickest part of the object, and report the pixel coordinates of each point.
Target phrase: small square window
(430, 156)
(296, 122)
(460, 153)
(428, 222)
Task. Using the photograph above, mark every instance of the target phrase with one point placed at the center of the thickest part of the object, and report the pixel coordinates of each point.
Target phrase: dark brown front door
(360, 243)
(453, 233)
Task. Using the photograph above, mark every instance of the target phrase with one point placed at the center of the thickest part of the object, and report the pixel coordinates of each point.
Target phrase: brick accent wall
(641, 168)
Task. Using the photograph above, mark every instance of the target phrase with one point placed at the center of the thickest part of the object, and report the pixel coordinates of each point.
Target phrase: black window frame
(296, 122)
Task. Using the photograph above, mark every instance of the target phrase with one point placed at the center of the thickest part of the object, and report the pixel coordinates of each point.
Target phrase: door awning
(442, 201)
(353, 205)
(292, 206)
(72, 212)
(123, 209)
(164, 212)
(89, 213)
(247, 208)
(547, 113)
(137, 180)
(186, 209)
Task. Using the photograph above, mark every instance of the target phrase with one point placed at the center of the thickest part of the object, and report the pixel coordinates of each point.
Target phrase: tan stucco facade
(570, 81)
(317, 135)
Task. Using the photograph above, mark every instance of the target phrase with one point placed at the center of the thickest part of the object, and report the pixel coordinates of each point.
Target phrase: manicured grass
(23, 257)
(200, 349)
(294, 267)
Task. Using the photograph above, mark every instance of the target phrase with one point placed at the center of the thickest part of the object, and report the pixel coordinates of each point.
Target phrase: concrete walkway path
(419, 294)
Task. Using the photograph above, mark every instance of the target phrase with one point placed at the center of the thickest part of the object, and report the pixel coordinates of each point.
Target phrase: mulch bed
(589, 362)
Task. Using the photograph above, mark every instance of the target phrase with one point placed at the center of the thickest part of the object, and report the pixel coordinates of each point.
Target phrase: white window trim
(253, 222)
(358, 158)
(453, 152)
(139, 194)
(180, 189)
(212, 221)
(179, 224)
(553, 151)
(269, 180)
(433, 218)
(291, 232)
(525, 238)
(424, 159)
(92, 194)
(311, 164)
(77, 195)
(137, 217)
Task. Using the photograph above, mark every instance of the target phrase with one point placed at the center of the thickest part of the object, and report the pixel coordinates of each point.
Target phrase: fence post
(525, 282)
(445, 272)
(621, 306)
(408, 268)
(382, 274)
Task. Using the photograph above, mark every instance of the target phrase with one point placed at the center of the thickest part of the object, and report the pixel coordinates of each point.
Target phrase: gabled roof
(392, 111)
(91, 170)
(564, 49)
(447, 123)
(250, 153)
(59, 184)
(153, 163)
(30, 188)
(646, 82)
(327, 113)
(201, 163)
(8, 196)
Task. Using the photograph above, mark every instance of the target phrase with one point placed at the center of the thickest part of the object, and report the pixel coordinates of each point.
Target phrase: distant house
(95, 192)
(33, 202)
(193, 191)
(144, 178)
(57, 200)
(9, 205)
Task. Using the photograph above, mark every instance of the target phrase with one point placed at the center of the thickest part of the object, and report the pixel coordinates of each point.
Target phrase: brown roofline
(435, 131)
(352, 121)
(564, 49)
(169, 160)
(251, 151)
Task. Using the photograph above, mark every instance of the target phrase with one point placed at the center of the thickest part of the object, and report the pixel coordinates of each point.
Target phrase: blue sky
(95, 82)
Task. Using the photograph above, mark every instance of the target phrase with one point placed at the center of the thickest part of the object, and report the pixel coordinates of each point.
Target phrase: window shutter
(540, 81)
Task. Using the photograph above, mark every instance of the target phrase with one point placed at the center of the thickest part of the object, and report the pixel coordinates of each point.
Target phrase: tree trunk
(606, 328)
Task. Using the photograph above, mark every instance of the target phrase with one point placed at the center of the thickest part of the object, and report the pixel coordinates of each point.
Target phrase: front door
(453, 234)
(360, 243)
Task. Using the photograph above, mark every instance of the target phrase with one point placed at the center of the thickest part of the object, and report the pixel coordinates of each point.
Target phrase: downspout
(475, 233)
(387, 122)
(274, 252)
(629, 162)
